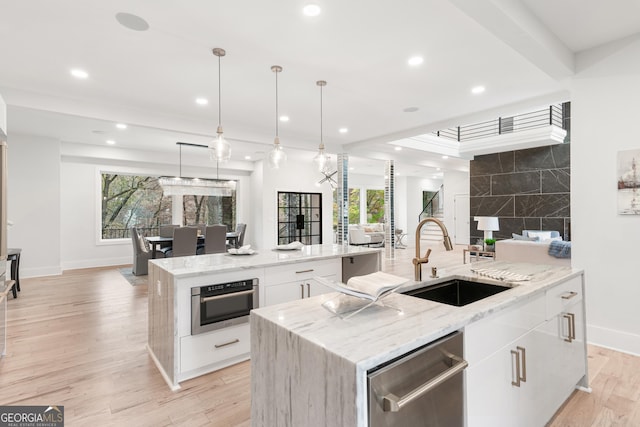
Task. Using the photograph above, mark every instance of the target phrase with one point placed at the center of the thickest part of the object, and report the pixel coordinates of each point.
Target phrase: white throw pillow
(541, 235)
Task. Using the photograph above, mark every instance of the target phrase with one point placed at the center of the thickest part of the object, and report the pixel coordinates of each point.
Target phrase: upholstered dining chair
(215, 240)
(185, 242)
(141, 253)
(240, 229)
(167, 230)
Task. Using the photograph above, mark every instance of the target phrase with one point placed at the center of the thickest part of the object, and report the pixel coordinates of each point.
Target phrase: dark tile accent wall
(526, 189)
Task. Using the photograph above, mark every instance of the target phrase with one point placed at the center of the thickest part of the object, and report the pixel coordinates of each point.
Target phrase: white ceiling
(521, 51)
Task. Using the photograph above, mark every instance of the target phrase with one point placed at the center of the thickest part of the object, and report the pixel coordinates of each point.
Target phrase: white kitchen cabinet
(293, 282)
(527, 379)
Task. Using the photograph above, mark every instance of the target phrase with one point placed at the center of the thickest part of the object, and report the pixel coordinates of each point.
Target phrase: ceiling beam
(513, 23)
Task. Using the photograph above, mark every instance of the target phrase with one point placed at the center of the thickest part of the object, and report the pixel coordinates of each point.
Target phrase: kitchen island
(181, 352)
(309, 367)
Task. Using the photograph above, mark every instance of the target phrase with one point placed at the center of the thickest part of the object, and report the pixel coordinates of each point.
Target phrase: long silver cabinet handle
(301, 290)
(523, 351)
(570, 328)
(521, 365)
(308, 290)
(515, 355)
(393, 403)
(569, 295)
(229, 295)
(227, 343)
(304, 271)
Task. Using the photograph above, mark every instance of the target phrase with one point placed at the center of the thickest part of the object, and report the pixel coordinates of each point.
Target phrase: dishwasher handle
(393, 403)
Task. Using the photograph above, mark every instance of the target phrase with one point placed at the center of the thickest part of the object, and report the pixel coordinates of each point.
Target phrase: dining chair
(215, 240)
(185, 242)
(167, 230)
(141, 253)
(240, 229)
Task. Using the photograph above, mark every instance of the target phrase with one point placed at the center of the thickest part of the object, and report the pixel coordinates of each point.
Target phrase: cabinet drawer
(300, 271)
(201, 350)
(487, 336)
(563, 295)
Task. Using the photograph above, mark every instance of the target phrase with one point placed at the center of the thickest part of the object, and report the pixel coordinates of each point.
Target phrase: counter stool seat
(13, 255)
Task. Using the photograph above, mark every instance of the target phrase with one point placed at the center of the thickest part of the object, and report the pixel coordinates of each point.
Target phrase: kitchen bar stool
(13, 255)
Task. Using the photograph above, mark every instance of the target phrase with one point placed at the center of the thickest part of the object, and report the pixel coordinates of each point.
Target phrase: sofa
(373, 232)
(526, 248)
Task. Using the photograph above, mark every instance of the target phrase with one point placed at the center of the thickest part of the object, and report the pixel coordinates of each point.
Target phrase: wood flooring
(78, 340)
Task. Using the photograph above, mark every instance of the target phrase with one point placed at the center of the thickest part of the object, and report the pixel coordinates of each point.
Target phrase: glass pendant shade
(322, 160)
(220, 148)
(277, 156)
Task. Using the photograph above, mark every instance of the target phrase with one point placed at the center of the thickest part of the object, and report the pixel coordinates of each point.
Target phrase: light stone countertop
(197, 265)
(378, 334)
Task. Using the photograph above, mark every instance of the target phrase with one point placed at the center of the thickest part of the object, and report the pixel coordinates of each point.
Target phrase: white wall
(297, 175)
(415, 187)
(605, 110)
(33, 203)
(455, 184)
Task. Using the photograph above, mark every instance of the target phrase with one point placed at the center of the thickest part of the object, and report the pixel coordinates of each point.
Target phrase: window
(132, 201)
(354, 206)
(299, 218)
(375, 206)
(138, 201)
(209, 210)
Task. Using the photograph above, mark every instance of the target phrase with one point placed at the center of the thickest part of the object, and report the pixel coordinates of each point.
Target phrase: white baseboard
(614, 339)
(25, 273)
(100, 262)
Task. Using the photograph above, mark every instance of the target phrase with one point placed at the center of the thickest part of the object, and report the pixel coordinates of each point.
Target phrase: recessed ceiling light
(79, 74)
(477, 90)
(415, 60)
(445, 157)
(311, 9)
(398, 148)
(434, 176)
(247, 157)
(410, 109)
(110, 142)
(352, 168)
(343, 130)
(438, 169)
(132, 22)
(121, 125)
(284, 118)
(202, 101)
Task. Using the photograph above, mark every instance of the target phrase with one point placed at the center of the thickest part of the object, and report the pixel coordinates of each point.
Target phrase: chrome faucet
(417, 261)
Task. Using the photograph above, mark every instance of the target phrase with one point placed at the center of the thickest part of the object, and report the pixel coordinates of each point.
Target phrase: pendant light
(277, 156)
(321, 159)
(220, 148)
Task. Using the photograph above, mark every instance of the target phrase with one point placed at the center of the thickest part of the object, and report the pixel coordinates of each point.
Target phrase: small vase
(490, 248)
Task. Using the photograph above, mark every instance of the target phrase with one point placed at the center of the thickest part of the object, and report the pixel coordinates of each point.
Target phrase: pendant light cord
(321, 140)
(219, 94)
(276, 104)
(180, 170)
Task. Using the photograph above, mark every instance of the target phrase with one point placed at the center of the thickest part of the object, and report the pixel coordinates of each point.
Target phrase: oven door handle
(393, 403)
(229, 295)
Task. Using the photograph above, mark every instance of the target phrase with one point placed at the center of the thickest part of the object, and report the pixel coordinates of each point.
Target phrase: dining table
(156, 242)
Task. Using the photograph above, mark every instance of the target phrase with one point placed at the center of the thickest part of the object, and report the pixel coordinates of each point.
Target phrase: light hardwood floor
(78, 340)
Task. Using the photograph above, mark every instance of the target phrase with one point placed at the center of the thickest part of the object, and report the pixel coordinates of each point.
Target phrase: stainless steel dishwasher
(422, 388)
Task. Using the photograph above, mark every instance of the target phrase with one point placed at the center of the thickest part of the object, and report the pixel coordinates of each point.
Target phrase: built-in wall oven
(223, 304)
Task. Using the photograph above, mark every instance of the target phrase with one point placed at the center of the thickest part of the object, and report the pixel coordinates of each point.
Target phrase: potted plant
(489, 245)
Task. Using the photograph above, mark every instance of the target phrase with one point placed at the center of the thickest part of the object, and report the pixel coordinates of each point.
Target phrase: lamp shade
(487, 223)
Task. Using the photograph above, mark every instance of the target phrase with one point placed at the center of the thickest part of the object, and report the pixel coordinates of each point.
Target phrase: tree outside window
(132, 201)
(138, 201)
(375, 206)
(354, 206)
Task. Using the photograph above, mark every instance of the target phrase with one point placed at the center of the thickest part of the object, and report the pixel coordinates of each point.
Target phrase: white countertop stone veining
(181, 267)
(378, 334)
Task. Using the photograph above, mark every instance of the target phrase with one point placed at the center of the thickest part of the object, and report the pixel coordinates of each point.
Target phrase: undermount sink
(458, 292)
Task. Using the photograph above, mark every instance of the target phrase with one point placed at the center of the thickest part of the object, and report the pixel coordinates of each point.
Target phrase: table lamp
(488, 224)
